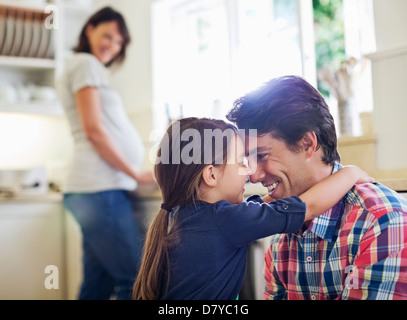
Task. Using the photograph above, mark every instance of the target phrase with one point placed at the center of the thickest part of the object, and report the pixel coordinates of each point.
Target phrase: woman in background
(108, 154)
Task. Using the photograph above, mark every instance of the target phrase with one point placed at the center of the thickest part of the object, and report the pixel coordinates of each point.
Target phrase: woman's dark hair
(106, 14)
(288, 107)
(179, 184)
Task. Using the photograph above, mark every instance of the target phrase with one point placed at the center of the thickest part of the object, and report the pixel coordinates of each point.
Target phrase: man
(355, 250)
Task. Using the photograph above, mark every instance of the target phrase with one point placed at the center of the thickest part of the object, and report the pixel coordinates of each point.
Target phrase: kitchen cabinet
(32, 250)
(36, 38)
(73, 255)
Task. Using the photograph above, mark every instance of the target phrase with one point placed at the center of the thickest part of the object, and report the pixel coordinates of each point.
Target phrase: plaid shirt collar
(324, 225)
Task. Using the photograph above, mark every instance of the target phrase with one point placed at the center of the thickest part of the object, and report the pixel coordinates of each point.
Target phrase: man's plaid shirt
(356, 250)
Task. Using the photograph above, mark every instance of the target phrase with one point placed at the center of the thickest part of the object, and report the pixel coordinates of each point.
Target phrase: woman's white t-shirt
(89, 172)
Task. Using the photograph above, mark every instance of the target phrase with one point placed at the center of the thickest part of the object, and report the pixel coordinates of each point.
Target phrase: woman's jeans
(112, 243)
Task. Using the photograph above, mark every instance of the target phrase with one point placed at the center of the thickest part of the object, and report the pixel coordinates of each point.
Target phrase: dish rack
(24, 33)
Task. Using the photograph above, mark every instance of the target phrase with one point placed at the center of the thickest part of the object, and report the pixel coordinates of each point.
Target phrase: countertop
(46, 197)
(397, 184)
(153, 193)
(148, 192)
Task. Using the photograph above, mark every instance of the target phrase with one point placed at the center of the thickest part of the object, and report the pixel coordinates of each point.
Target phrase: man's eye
(262, 156)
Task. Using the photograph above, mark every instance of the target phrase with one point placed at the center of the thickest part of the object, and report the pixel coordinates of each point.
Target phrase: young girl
(196, 245)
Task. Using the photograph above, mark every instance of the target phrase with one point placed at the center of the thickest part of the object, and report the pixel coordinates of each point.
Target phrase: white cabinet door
(31, 240)
(73, 245)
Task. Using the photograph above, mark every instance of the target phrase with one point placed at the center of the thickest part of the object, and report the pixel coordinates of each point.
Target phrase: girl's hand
(363, 177)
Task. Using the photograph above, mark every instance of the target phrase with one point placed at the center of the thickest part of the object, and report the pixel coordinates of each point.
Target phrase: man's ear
(309, 143)
(210, 175)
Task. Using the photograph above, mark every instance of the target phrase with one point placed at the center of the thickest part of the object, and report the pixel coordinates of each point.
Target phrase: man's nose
(257, 175)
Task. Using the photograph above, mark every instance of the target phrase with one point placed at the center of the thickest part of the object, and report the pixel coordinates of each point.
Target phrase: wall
(390, 23)
(389, 71)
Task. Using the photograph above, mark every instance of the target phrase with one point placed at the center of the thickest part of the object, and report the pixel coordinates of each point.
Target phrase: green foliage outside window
(329, 36)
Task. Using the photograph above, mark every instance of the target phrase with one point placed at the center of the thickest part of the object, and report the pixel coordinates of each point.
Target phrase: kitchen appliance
(30, 181)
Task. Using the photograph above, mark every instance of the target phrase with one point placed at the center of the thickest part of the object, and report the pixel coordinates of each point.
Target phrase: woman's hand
(145, 177)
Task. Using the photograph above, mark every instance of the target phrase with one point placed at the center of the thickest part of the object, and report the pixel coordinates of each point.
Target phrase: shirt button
(285, 206)
(309, 259)
(313, 297)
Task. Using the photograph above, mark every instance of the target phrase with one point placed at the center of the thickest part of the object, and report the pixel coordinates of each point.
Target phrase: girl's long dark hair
(179, 184)
(105, 14)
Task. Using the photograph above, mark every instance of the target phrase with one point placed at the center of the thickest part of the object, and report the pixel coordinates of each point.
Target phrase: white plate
(45, 37)
(36, 35)
(8, 43)
(49, 53)
(28, 35)
(18, 35)
(2, 27)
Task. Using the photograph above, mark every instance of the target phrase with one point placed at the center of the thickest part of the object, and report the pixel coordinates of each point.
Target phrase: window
(207, 53)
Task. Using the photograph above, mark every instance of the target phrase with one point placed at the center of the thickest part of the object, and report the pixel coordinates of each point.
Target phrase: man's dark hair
(288, 107)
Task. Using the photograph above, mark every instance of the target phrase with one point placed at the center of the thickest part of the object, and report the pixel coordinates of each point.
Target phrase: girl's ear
(210, 175)
(89, 29)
